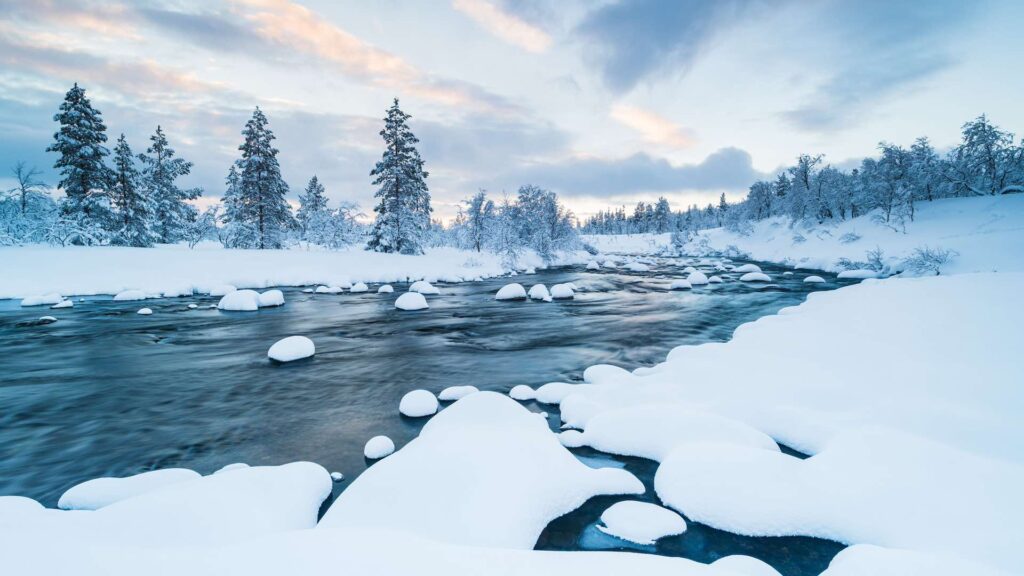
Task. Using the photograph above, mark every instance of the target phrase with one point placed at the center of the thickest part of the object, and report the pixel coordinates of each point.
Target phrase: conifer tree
(171, 212)
(84, 176)
(403, 212)
(132, 207)
(312, 203)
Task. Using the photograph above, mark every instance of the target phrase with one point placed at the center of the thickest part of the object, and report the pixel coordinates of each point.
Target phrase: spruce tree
(133, 211)
(260, 204)
(312, 203)
(403, 213)
(171, 212)
(84, 176)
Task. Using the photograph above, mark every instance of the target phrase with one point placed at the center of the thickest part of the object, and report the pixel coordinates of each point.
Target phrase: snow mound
(291, 348)
(193, 306)
(230, 467)
(755, 277)
(697, 278)
(385, 289)
(337, 476)
(637, 267)
(144, 311)
(746, 268)
(329, 290)
(359, 287)
(680, 284)
(43, 300)
(814, 280)
(511, 291)
(271, 298)
(750, 566)
(240, 301)
(689, 270)
(484, 472)
(555, 392)
(539, 292)
(453, 393)
(714, 280)
(99, 492)
(64, 304)
(856, 274)
(593, 265)
(47, 319)
(562, 291)
(179, 291)
(424, 287)
(411, 301)
(418, 403)
(641, 522)
(129, 295)
(521, 392)
(222, 289)
(378, 447)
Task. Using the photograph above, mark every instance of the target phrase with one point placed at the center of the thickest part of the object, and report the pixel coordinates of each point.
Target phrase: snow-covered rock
(43, 300)
(539, 292)
(746, 268)
(64, 304)
(856, 274)
(129, 295)
(483, 472)
(99, 492)
(291, 348)
(680, 284)
(641, 522)
(222, 289)
(193, 306)
(178, 291)
(521, 392)
(385, 289)
(593, 265)
(453, 393)
(697, 278)
(511, 291)
(814, 280)
(46, 320)
(271, 298)
(714, 280)
(359, 287)
(424, 287)
(637, 267)
(337, 476)
(418, 403)
(378, 447)
(240, 301)
(144, 311)
(411, 301)
(329, 290)
(755, 277)
(689, 270)
(562, 291)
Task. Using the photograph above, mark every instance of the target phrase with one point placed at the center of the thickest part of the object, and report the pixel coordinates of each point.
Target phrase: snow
(755, 277)
(423, 287)
(637, 267)
(562, 291)
(63, 304)
(99, 492)
(452, 393)
(593, 265)
(411, 301)
(144, 311)
(746, 269)
(378, 447)
(385, 289)
(240, 301)
(359, 287)
(484, 472)
(641, 522)
(177, 291)
(715, 280)
(511, 291)
(418, 403)
(47, 319)
(129, 295)
(270, 298)
(230, 467)
(218, 289)
(193, 306)
(337, 476)
(521, 392)
(329, 290)
(680, 284)
(697, 278)
(748, 566)
(814, 280)
(291, 348)
(856, 274)
(43, 300)
(539, 292)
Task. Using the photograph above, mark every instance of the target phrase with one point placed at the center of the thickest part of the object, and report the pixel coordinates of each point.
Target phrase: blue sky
(604, 102)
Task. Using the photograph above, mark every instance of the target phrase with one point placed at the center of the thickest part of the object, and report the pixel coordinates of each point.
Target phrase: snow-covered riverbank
(175, 270)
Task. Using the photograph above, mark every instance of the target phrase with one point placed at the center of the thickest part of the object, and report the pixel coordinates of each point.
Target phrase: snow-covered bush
(928, 260)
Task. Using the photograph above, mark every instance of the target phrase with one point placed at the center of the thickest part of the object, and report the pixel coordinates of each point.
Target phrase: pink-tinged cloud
(505, 26)
(653, 128)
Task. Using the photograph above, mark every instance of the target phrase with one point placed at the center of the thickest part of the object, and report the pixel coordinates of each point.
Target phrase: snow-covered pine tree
(480, 214)
(312, 205)
(84, 176)
(170, 211)
(132, 208)
(235, 233)
(259, 204)
(403, 213)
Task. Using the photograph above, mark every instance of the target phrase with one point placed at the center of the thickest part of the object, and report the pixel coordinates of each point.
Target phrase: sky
(607, 102)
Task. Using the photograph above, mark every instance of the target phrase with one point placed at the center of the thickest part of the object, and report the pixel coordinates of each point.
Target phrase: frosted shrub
(925, 260)
(849, 238)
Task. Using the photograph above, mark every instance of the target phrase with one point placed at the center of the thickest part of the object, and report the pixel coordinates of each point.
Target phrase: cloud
(631, 40)
(505, 25)
(653, 128)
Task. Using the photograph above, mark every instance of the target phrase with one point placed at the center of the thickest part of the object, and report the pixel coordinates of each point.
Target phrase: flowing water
(107, 392)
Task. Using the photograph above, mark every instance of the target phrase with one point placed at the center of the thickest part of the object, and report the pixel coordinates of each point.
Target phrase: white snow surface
(411, 301)
(755, 277)
(539, 292)
(385, 289)
(423, 287)
(511, 291)
(418, 403)
(42, 300)
(814, 280)
(521, 392)
(144, 311)
(359, 287)
(270, 298)
(483, 472)
(129, 295)
(64, 304)
(680, 284)
(240, 301)
(452, 393)
(291, 348)
(99, 492)
(697, 278)
(378, 447)
(641, 522)
(562, 291)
